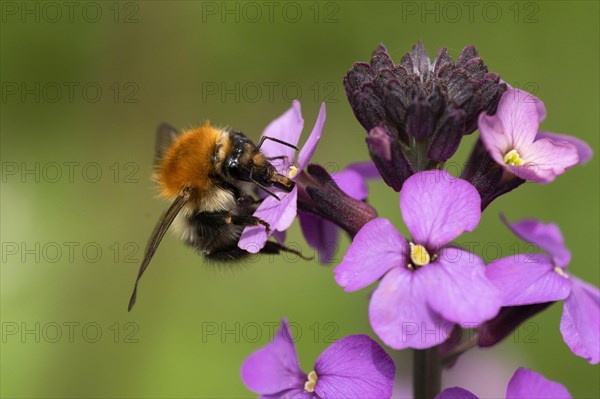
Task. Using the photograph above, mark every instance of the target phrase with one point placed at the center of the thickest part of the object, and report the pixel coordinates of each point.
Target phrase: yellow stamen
(419, 255)
(561, 272)
(309, 386)
(513, 158)
(293, 171)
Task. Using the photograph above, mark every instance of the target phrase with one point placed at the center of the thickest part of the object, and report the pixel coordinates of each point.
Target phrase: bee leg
(243, 220)
(272, 247)
(215, 219)
(247, 200)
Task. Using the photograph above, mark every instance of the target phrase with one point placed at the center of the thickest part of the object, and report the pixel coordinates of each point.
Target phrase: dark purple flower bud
(425, 105)
(447, 136)
(381, 59)
(389, 158)
(491, 92)
(380, 143)
(361, 73)
(368, 109)
(467, 54)
(419, 120)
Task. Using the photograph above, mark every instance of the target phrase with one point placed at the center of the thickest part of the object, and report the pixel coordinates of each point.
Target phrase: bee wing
(159, 232)
(165, 136)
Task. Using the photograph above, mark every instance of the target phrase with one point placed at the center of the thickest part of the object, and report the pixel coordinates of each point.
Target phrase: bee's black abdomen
(216, 237)
(235, 253)
(229, 254)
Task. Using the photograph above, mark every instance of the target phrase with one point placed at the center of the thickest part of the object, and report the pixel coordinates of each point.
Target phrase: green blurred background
(132, 65)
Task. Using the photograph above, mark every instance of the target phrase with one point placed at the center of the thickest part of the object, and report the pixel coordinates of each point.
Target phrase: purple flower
(280, 214)
(584, 151)
(540, 278)
(427, 286)
(320, 233)
(353, 367)
(511, 137)
(492, 176)
(524, 384)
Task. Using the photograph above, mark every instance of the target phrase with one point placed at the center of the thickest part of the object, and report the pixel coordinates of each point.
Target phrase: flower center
(513, 158)
(419, 255)
(309, 385)
(560, 272)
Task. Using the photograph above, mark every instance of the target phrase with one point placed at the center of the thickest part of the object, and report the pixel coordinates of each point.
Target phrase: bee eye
(233, 168)
(236, 171)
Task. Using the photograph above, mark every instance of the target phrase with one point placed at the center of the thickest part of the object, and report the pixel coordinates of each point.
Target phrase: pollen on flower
(513, 158)
(419, 255)
(293, 171)
(560, 272)
(309, 385)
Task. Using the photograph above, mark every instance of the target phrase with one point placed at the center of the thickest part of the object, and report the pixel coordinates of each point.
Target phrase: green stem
(420, 154)
(427, 373)
(460, 350)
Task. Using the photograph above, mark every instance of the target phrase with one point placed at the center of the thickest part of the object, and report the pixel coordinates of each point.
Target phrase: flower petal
(321, 235)
(351, 183)
(279, 236)
(580, 323)
(527, 384)
(518, 113)
(455, 393)
(437, 207)
(546, 236)
(527, 279)
(584, 151)
(376, 248)
(274, 368)
(355, 367)
(545, 159)
(458, 289)
(311, 143)
(541, 108)
(493, 137)
(296, 393)
(279, 214)
(253, 239)
(287, 211)
(288, 128)
(399, 314)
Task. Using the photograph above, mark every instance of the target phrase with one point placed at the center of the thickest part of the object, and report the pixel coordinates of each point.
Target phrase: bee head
(245, 162)
(255, 169)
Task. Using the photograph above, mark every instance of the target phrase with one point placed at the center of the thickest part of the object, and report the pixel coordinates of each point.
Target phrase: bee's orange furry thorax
(188, 162)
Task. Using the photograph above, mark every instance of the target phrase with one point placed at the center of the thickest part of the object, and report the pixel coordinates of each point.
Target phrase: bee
(212, 176)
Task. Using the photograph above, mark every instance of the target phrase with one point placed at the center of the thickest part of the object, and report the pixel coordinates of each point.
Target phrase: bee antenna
(264, 138)
(261, 186)
(271, 193)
